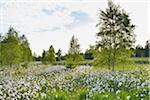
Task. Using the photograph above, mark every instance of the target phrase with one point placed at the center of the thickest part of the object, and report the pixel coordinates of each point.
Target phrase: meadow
(56, 82)
(111, 68)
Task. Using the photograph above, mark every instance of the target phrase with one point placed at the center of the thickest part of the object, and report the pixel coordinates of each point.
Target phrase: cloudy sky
(53, 22)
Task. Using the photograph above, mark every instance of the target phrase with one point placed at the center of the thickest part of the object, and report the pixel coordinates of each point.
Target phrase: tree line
(143, 51)
(72, 58)
(115, 44)
(14, 49)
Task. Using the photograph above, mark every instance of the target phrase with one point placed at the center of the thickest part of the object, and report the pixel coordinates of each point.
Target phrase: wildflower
(118, 91)
(118, 97)
(120, 83)
(106, 96)
(128, 97)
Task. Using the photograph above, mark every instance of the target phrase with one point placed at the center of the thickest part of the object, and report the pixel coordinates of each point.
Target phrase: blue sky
(53, 22)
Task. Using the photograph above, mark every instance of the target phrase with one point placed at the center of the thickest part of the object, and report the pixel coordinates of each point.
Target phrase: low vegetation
(109, 70)
(46, 82)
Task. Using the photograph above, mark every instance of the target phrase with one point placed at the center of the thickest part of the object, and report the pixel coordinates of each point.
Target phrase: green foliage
(103, 58)
(44, 57)
(51, 55)
(59, 55)
(54, 96)
(48, 57)
(89, 53)
(14, 49)
(147, 49)
(10, 48)
(74, 58)
(121, 95)
(83, 94)
(116, 36)
(26, 51)
(80, 94)
(10, 54)
(143, 51)
(139, 52)
(74, 46)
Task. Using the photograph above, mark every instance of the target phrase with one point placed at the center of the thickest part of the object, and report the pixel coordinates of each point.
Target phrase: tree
(59, 55)
(147, 49)
(116, 36)
(14, 49)
(0, 49)
(139, 52)
(26, 51)
(10, 48)
(74, 46)
(51, 55)
(36, 57)
(74, 58)
(44, 57)
(89, 53)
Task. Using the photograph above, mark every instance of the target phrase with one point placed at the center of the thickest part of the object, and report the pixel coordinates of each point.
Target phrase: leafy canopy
(116, 37)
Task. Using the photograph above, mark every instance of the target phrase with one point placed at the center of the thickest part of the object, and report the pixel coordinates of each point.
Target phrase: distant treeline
(138, 52)
(15, 49)
(143, 51)
(114, 46)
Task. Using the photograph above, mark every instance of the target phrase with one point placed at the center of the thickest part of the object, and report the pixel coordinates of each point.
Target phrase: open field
(46, 82)
(74, 50)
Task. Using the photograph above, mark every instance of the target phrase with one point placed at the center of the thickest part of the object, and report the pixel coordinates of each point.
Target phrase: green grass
(135, 62)
(82, 94)
(124, 67)
(141, 60)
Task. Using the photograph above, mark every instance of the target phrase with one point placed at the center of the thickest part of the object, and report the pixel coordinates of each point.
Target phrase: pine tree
(26, 51)
(51, 55)
(10, 48)
(139, 52)
(59, 55)
(74, 58)
(89, 53)
(44, 57)
(74, 46)
(116, 36)
(147, 48)
(14, 49)
(0, 49)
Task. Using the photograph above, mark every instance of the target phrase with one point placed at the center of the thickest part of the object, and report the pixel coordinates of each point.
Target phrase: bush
(73, 60)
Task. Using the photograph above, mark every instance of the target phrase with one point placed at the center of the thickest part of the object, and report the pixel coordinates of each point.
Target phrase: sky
(54, 22)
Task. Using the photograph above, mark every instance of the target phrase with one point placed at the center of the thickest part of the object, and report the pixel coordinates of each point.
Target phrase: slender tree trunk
(109, 59)
(114, 52)
(114, 60)
(10, 64)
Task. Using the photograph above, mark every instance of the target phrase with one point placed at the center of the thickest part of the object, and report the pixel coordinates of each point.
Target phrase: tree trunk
(10, 64)
(114, 60)
(113, 65)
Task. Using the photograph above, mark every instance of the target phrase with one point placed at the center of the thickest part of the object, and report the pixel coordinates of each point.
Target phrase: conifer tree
(115, 34)
(14, 49)
(59, 55)
(44, 57)
(74, 58)
(26, 51)
(51, 55)
(10, 48)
